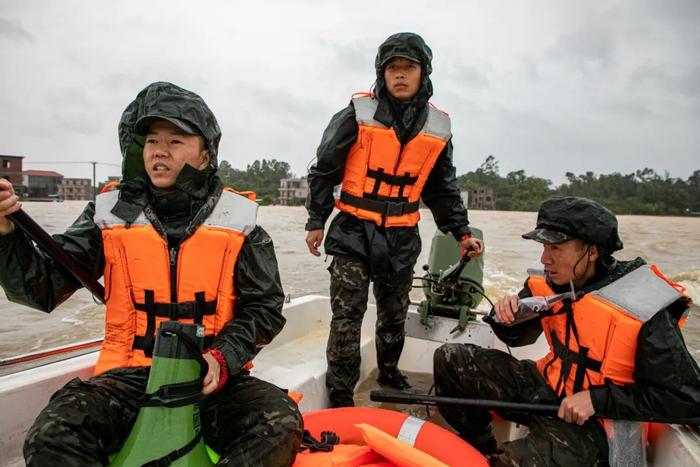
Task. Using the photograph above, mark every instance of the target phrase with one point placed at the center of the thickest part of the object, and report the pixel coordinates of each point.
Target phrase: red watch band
(223, 368)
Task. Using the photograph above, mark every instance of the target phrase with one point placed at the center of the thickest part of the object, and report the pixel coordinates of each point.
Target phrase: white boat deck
(295, 360)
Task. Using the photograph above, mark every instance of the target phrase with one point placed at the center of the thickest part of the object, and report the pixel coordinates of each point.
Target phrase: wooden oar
(23, 221)
(537, 409)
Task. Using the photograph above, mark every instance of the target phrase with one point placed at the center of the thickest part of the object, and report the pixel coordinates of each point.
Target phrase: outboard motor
(452, 283)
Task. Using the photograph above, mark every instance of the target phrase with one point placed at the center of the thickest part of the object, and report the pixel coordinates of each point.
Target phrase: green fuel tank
(169, 435)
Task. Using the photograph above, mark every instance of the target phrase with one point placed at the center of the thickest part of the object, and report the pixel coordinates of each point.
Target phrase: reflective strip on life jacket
(383, 179)
(595, 338)
(140, 270)
(410, 429)
(232, 212)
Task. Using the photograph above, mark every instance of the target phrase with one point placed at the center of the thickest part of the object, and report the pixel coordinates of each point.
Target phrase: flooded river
(673, 243)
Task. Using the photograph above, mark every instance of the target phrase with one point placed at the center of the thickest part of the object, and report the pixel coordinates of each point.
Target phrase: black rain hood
(408, 45)
(408, 116)
(163, 99)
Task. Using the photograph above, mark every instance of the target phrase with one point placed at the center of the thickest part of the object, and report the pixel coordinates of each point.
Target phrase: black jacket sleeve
(336, 142)
(667, 378)
(518, 335)
(442, 195)
(31, 278)
(258, 310)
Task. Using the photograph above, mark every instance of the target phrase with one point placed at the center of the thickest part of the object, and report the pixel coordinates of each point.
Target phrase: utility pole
(94, 181)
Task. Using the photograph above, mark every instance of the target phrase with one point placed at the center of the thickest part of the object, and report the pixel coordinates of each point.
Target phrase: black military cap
(406, 45)
(143, 124)
(565, 218)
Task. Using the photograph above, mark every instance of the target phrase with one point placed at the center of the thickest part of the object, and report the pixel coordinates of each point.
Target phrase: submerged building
(11, 170)
(42, 184)
(293, 191)
(482, 198)
(75, 189)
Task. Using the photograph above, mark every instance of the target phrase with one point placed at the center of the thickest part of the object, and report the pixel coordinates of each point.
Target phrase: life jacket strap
(568, 357)
(393, 180)
(181, 310)
(397, 180)
(195, 310)
(328, 440)
(387, 208)
(180, 394)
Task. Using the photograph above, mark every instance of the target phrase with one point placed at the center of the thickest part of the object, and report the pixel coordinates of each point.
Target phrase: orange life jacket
(595, 338)
(383, 179)
(146, 282)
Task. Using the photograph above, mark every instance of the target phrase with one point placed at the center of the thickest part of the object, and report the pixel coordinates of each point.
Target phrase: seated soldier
(616, 351)
(170, 238)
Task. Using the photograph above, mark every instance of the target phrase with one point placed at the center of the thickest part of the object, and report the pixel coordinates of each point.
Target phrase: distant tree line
(642, 192)
(262, 176)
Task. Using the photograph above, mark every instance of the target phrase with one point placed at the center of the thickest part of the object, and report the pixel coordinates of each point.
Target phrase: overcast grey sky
(548, 86)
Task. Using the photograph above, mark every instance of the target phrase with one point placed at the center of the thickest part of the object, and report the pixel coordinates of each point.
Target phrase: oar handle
(23, 221)
(537, 409)
(424, 399)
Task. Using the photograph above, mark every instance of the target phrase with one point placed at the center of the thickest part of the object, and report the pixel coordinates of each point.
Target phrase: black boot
(486, 447)
(395, 380)
(342, 401)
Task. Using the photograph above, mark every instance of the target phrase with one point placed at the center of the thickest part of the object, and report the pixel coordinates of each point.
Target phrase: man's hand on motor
(473, 246)
(211, 380)
(577, 408)
(506, 308)
(313, 241)
(9, 203)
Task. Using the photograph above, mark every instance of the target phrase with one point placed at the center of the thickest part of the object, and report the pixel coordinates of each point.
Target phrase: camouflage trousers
(249, 422)
(472, 372)
(350, 279)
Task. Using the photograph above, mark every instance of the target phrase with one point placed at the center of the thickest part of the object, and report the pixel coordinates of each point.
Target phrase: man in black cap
(173, 244)
(615, 351)
(389, 149)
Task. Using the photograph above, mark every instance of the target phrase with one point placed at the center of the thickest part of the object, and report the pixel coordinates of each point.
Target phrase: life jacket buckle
(173, 311)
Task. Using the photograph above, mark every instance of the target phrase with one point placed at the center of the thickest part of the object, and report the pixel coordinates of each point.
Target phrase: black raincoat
(386, 250)
(667, 378)
(31, 278)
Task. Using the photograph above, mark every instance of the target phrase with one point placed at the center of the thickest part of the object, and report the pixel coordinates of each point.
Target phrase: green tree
(262, 176)
(694, 192)
(641, 192)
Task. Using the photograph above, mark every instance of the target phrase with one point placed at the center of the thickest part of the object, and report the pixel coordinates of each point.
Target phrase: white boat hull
(295, 360)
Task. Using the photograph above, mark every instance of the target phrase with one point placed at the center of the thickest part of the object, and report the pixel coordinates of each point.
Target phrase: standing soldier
(389, 149)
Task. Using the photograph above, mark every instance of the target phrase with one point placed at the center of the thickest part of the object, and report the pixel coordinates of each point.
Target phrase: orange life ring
(349, 424)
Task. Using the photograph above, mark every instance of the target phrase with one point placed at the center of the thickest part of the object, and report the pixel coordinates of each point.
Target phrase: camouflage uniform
(350, 279)
(469, 371)
(249, 422)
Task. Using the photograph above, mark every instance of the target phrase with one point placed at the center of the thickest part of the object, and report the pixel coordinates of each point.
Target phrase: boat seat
(299, 364)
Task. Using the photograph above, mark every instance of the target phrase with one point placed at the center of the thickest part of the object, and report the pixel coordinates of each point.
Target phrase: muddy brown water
(673, 243)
